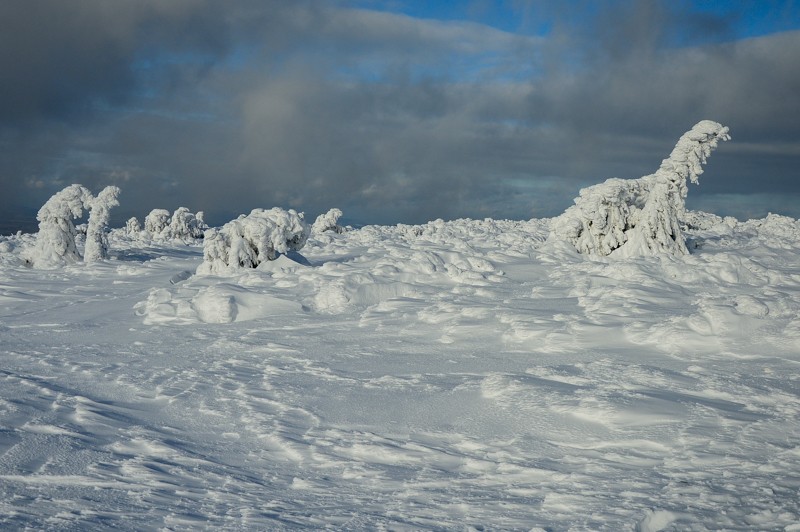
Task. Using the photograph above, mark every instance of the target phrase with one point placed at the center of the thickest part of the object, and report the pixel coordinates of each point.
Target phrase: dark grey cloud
(229, 106)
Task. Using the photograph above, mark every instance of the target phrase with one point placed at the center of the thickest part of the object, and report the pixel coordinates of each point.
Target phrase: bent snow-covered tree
(99, 214)
(55, 241)
(328, 221)
(250, 240)
(640, 216)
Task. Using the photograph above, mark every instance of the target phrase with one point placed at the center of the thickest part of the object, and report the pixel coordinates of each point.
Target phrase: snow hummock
(626, 218)
(461, 375)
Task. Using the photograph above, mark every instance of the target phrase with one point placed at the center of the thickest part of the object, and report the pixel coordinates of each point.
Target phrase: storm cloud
(388, 115)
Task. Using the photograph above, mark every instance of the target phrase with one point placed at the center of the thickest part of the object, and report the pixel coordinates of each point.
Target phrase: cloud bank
(390, 116)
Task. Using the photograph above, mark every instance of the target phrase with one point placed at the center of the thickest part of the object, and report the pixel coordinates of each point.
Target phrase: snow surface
(455, 375)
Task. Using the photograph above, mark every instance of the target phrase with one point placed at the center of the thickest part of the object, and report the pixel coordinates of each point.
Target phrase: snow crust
(626, 218)
(463, 375)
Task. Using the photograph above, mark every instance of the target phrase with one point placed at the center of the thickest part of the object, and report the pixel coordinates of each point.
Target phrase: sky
(394, 111)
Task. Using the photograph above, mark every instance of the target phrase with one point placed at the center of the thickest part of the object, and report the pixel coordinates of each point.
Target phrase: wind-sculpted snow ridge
(461, 375)
(626, 218)
(253, 239)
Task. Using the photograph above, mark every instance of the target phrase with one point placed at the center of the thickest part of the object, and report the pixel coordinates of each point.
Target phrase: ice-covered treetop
(691, 152)
(66, 204)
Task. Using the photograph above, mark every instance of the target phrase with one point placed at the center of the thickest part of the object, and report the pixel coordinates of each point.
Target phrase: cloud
(229, 106)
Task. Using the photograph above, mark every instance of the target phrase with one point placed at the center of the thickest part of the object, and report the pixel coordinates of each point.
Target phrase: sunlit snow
(453, 375)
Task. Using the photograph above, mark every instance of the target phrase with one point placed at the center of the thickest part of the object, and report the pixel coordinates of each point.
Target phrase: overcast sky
(392, 110)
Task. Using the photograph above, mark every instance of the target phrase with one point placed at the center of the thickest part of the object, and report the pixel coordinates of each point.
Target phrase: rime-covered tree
(250, 240)
(55, 241)
(156, 221)
(642, 216)
(328, 222)
(99, 214)
(132, 227)
(185, 225)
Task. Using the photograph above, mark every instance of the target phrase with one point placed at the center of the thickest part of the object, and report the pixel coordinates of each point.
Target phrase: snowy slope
(455, 375)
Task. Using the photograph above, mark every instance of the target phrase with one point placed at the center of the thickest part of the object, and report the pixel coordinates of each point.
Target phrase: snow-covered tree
(182, 225)
(250, 240)
(99, 214)
(642, 216)
(185, 225)
(55, 241)
(328, 222)
(156, 221)
(132, 227)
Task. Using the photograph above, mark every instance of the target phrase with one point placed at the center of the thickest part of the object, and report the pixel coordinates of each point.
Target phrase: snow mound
(216, 303)
(627, 218)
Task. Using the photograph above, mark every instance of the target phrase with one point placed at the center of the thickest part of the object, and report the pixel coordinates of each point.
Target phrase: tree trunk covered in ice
(642, 216)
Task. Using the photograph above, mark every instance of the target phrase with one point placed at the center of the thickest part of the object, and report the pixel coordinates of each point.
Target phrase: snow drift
(452, 375)
(643, 216)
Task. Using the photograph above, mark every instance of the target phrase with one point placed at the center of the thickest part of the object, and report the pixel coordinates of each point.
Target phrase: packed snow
(468, 374)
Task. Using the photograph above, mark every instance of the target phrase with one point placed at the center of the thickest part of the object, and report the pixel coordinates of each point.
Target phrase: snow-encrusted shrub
(250, 240)
(99, 213)
(156, 222)
(55, 241)
(182, 225)
(328, 222)
(641, 216)
(132, 227)
(185, 225)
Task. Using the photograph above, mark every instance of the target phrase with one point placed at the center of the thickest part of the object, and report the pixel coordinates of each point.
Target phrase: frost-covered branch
(642, 216)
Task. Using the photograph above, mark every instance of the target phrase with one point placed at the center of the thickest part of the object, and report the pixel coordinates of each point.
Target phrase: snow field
(455, 375)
